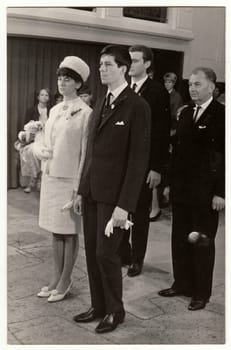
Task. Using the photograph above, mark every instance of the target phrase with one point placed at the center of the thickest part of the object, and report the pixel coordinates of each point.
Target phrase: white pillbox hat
(76, 64)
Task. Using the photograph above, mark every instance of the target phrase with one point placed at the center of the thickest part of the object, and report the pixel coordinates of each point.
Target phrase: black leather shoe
(88, 316)
(197, 304)
(170, 292)
(110, 322)
(135, 269)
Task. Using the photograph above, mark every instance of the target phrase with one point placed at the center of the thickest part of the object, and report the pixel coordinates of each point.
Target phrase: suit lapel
(143, 87)
(205, 116)
(113, 108)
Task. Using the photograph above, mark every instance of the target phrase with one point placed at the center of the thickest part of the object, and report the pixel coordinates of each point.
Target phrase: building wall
(208, 46)
(199, 32)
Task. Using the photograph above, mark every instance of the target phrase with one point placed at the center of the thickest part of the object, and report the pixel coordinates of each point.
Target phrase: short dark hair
(147, 52)
(85, 89)
(67, 72)
(120, 54)
(209, 73)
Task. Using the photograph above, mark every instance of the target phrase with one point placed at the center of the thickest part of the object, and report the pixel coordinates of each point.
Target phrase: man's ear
(147, 64)
(123, 69)
(211, 86)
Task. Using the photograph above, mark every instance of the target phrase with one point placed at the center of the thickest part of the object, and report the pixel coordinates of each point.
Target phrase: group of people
(30, 147)
(103, 165)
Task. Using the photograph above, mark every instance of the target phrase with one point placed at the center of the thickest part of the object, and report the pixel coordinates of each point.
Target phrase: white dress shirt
(139, 83)
(116, 92)
(202, 108)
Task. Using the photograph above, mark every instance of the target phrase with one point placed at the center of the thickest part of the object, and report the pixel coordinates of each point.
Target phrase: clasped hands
(119, 216)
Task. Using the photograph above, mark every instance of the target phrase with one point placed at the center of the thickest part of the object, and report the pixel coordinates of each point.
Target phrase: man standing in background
(158, 99)
(197, 190)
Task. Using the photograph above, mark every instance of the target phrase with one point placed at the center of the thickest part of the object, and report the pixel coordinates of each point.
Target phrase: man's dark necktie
(108, 100)
(106, 106)
(196, 113)
(134, 87)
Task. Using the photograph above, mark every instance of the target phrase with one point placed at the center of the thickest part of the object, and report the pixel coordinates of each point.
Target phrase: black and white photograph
(115, 147)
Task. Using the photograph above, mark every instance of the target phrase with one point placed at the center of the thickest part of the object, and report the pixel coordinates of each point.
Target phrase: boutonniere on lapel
(202, 126)
(112, 106)
(73, 114)
(120, 123)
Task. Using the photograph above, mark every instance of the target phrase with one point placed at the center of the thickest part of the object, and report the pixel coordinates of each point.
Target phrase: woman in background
(64, 154)
(175, 98)
(30, 160)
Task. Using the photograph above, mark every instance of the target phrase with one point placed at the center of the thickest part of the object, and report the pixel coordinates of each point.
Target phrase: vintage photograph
(116, 155)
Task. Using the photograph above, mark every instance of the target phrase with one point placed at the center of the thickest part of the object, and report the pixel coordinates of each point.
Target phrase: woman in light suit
(64, 154)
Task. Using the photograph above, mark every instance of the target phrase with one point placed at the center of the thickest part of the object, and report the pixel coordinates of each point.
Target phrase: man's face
(200, 88)
(138, 67)
(110, 72)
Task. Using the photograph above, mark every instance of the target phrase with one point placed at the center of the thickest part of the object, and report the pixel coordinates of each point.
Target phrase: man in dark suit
(158, 99)
(114, 170)
(197, 190)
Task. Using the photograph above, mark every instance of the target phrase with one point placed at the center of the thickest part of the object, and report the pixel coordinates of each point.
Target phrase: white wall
(208, 46)
(197, 31)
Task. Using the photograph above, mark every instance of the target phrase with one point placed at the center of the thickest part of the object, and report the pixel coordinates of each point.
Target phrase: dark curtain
(32, 65)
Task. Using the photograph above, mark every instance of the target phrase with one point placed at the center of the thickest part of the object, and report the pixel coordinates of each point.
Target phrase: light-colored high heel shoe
(44, 292)
(56, 296)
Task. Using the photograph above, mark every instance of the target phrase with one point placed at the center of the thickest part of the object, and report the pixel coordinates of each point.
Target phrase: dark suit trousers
(139, 231)
(193, 263)
(103, 261)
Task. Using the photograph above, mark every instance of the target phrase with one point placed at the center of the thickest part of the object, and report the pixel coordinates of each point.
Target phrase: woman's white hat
(76, 64)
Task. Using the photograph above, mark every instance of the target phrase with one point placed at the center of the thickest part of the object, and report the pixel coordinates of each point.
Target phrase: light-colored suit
(66, 134)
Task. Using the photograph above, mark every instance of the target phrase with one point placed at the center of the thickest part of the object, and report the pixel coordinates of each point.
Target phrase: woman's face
(169, 84)
(43, 96)
(67, 86)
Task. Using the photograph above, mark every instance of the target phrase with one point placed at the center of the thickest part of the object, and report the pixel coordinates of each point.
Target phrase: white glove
(109, 227)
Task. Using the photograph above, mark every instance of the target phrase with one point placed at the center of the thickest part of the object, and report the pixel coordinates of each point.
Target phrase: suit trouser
(139, 231)
(103, 261)
(193, 263)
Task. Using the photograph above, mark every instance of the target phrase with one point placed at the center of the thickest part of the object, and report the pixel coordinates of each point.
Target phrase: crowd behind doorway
(32, 63)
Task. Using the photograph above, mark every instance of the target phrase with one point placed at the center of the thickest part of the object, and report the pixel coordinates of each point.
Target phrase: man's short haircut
(147, 52)
(120, 54)
(209, 73)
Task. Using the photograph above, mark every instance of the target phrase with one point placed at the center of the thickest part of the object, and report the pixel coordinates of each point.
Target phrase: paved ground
(150, 319)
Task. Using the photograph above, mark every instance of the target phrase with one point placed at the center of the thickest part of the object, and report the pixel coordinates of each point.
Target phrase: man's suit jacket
(198, 169)
(158, 99)
(118, 152)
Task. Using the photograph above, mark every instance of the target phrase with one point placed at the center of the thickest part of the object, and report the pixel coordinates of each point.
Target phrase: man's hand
(166, 193)
(218, 203)
(119, 217)
(77, 204)
(153, 179)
